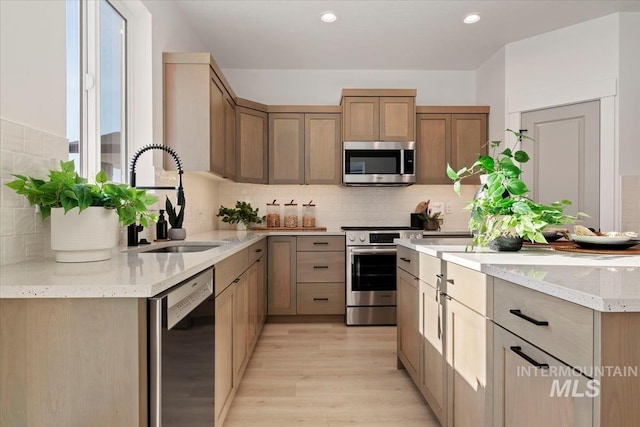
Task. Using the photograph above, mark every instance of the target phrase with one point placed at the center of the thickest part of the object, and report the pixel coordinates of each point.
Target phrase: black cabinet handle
(320, 243)
(258, 260)
(258, 250)
(320, 266)
(237, 280)
(518, 350)
(321, 299)
(405, 259)
(529, 319)
(440, 276)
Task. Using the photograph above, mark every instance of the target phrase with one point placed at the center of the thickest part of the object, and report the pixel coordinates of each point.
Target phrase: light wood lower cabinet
(532, 388)
(469, 365)
(73, 361)
(240, 308)
(407, 299)
(282, 275)
(306, 275)
(432, 375)
(225, 381)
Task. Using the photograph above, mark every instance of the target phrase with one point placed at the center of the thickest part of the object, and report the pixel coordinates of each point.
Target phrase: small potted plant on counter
(176, 232)
(84, 216)
(243, 214)
(502, 215)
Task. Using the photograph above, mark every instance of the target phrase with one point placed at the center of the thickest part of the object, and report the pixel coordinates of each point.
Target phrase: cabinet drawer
(227, 270)
(320, 298)
(568, 332)
(257, 250)
(429, 269)
(408, 260)
(471, 288)
(320, 267)
(320, 243)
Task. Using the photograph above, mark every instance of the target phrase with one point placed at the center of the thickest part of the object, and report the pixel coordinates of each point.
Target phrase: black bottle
(161, 227)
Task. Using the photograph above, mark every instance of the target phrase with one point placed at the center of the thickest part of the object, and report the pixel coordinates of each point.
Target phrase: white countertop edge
(572, 295)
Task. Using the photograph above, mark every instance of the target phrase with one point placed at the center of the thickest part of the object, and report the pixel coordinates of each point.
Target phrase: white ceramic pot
(177, 234)
(88, 236)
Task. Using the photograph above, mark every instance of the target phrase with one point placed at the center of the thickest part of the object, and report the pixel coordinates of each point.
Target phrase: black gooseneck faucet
(132, 230)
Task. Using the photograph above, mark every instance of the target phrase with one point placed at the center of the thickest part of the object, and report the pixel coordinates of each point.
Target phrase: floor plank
(327, 375)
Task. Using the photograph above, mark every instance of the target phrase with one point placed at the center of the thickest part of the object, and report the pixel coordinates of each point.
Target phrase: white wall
(629, 94)
(323, 87)
(568, 57)
(490, 90)
(32, 64)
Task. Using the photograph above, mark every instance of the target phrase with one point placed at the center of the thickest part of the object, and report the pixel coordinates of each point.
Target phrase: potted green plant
(91, 234)
(502, 215)
(243, 213)
(176, 232)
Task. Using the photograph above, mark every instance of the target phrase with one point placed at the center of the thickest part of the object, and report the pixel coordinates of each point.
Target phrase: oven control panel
(380, 238)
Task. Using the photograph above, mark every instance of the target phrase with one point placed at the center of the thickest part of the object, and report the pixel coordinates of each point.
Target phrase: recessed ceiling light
(471, 18)
(328, 16)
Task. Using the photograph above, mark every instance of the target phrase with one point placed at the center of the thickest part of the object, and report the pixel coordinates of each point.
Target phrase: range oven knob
(351, 237)
(362, 237)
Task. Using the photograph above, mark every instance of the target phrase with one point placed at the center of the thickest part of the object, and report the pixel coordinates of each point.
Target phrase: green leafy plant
(243, 212)
(503, 208)
(66, 189)
(175, 219)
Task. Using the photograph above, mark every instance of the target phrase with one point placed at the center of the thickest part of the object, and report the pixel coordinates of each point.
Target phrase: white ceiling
(377, 35)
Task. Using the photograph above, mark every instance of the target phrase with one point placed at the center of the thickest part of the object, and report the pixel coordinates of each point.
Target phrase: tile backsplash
(337, 206)
(26, 151)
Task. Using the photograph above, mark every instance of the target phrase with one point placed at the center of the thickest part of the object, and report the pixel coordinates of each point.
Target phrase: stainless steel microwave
(378, 163)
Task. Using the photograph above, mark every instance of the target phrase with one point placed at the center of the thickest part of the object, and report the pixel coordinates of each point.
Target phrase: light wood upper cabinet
(361, 118)
(229, 138)
(195, 113)
(304, 148)
(397, 118)
(322, 149)
(445, 138)
(378, 115)
(286, 148)
(251, 143)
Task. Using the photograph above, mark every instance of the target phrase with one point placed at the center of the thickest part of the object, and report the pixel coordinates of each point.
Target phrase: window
(97, 87)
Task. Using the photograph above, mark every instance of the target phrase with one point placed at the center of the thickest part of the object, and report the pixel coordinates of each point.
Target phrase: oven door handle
(372, 251)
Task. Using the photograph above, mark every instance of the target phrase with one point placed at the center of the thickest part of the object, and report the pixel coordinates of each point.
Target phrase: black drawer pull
(321, 299)
(320, 266)
(258, 250)
(236, 280)
(405, 259)
(440, 276)
(529, 319)
(320, 243)
(518, 350)
(259, 259)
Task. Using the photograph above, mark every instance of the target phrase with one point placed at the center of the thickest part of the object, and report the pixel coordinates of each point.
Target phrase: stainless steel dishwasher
(182, 354)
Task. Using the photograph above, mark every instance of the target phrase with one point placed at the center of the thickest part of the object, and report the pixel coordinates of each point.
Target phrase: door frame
(605, 91)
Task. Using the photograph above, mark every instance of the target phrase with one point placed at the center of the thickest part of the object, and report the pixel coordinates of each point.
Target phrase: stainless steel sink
(183, 248)
(179, 248)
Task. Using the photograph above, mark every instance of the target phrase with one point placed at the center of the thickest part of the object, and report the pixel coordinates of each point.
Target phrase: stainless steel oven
(182, 354)
(371, 273)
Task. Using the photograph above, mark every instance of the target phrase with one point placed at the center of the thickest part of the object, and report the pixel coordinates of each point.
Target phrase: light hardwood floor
(327, 375)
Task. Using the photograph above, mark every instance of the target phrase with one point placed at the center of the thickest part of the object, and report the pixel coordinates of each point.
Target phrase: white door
(565, 156)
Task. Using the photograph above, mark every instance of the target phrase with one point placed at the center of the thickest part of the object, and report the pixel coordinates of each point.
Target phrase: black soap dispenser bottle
(161, 227)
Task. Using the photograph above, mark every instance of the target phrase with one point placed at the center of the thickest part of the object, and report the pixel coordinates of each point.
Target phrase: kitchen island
(537, 337)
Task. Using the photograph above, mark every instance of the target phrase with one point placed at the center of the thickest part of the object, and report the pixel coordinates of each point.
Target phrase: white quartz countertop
(128, 274)
(600, 282)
